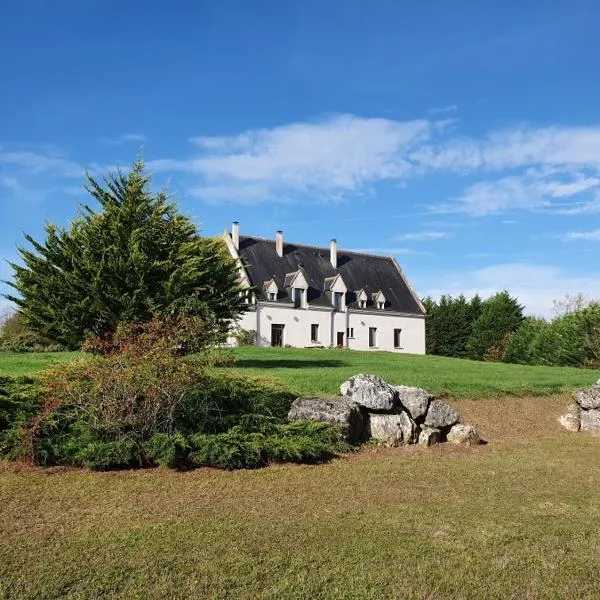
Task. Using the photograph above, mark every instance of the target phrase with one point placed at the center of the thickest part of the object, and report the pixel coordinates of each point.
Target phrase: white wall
(297, 330)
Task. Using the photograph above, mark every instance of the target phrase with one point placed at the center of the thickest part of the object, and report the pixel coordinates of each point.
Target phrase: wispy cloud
(125, 138)
(536, 286)
(590, 236)
(443, 109)
(423, 236)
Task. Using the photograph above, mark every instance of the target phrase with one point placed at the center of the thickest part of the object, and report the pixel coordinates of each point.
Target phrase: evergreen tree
(500, 315)
(135, 259)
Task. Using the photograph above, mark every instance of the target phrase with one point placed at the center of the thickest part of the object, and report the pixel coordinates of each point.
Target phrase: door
(276, 334)
(340, 339)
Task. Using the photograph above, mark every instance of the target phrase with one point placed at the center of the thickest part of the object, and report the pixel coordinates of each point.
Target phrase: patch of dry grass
(516, 518)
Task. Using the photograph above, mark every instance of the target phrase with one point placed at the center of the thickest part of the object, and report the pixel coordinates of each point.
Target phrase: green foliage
(16, 337)
(245, 337)
(449, 324)
(134, 259)
(19, 401)
(524, 344)
(500, 316)
(306, 442)
(107, 455)
(168, 450)
(222, 399)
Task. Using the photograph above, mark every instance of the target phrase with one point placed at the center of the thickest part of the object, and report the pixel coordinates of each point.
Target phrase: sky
(461, 137)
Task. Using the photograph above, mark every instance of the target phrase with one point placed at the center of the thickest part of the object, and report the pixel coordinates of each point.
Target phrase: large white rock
(440, 415)
(463, 434)
(386, 428)
(429, 436)
(588, 397)
(571, 420)
(370, 391)
(415, 400)
(333, 410)
(590, 420)
(410, 431)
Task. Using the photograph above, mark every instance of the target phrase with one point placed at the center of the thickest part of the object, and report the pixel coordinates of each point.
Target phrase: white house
(305, 296)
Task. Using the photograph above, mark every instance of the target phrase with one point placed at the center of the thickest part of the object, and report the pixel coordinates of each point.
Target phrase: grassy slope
(320, 371)
(517, 518)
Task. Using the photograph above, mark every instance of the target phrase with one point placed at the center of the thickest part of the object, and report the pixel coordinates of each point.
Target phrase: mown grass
(320, 371)
(516, 518)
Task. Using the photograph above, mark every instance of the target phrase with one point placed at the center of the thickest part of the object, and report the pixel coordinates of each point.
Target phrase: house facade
(306, 296)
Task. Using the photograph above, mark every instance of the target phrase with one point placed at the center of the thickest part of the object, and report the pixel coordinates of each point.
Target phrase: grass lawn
(517, 518)
(320, 371)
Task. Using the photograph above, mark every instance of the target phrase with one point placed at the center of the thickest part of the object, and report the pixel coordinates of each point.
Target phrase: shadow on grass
(250, 363)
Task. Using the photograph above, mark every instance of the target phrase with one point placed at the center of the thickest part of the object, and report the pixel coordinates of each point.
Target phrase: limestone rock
(386, 428)
(463, 434)
(333, 410)
(415, 400)
(588, 397)
(410, 431)
(590, 420)
(370, 391)
(571, 420)
(429, 436)
(440, 415)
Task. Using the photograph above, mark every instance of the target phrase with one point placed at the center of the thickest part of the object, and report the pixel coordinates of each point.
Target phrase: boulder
(571, 420)
(410, 431)
(386, 428)
(370, 391)
(429, 436)
(440, 415)
(588, 397)
(415, 400)
(333, 410)
(590, 420)
(463, 434)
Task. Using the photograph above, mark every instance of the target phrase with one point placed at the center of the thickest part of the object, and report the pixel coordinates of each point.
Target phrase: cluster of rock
(370, 408)
(584, 413)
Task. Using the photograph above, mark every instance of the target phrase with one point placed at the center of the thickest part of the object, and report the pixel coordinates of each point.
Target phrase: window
(350, 333)
(277, 334)
(381, 305)
(338, 300)
(397, 336)
(314, 332)
(372, 337)
(362, 304)
(273, 296)
(298, 297)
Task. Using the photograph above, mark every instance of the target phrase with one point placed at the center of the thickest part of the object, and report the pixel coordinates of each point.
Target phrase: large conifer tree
(135, 258)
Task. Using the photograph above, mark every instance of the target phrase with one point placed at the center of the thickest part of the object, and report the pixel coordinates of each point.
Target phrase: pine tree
(135, 259)
(500, 315)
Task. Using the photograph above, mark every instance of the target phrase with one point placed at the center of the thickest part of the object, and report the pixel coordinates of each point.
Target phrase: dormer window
(361, 299)
(299, 297)
(297, 285)
(362, 304)
(271, 290)
(379, 300)
(338, 301)
(272, 296)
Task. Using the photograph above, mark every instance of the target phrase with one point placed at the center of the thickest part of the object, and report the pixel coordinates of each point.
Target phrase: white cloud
(35, 163)
(536, 286)
(590, 236)
(423, 236)
(443, 109)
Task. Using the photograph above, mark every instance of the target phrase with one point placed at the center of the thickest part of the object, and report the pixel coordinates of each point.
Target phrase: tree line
(496, 329)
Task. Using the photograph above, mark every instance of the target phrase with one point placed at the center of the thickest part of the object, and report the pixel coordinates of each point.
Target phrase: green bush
(16, 337)
(168, 450)
(223, 398)
(245, 337)
(105, 455)
(19, 401)
(302, 441)
(524, 344)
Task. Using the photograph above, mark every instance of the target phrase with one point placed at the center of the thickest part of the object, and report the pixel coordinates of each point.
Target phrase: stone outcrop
(334, 411)
(371, 408)
(414, 400)
(584, 413)
(440, 415)
(463, 434)
(370, 392)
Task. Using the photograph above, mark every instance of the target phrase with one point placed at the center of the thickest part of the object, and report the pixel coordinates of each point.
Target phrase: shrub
(221, 399)
(168, 450)
(105, 455)
(16, 337)
(245, 337)
(523, 344)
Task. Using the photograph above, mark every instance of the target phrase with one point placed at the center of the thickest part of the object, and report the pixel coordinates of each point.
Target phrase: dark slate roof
(359, 271)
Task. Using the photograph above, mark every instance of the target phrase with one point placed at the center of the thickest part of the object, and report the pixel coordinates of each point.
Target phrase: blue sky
(463, 137)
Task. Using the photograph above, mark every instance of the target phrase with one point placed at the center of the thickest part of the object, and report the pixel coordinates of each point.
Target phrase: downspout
(257, 323)
(332, 329)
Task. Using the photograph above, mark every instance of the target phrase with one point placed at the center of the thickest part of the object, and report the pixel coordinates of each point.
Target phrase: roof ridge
(263, 239)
